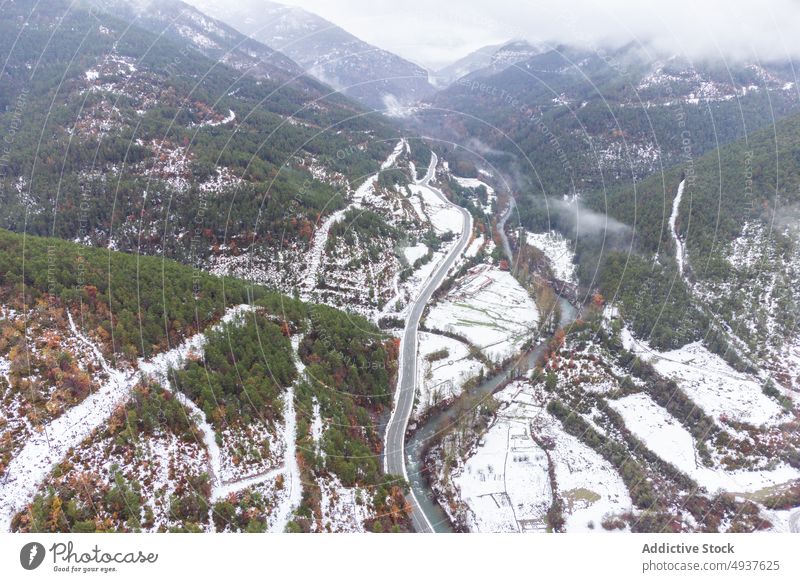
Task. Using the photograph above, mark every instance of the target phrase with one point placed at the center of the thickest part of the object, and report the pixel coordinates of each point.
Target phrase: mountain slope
(209, 427)
(732, 242)
(152, 147)
(573, 127)
(487, 61)
(375, 77)
(220, 42)
(572, 121)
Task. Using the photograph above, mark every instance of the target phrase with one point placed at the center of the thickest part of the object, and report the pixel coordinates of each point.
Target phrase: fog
(435, 34)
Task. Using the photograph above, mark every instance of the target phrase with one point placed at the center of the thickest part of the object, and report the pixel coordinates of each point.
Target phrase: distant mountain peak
(209, 36)
(358, 69)
(488, 60)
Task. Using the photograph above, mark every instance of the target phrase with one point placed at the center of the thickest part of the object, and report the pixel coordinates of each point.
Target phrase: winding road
(395, 458)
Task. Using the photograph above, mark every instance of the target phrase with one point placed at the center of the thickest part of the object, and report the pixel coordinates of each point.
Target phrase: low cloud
(435, 34)
(585, 222)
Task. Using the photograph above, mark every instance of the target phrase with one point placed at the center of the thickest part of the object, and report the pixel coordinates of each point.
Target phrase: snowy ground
(666, 437)
(558, 251)
(229, 478)
(673, 220)
(314, 258)
(161, 461)
(443, 379)
(475, 246)
(431, 208)
(505, 482)
(443, 215)
(712, 383)
(353, 279)
(33, 340)
(408, 291)
(31, 465)
(344, 509)
(588, 368)
(399, 148)
(491, 309)
(474, 183)
(46, 448)
(214, 122)
(755, 305)
(292, 492)
(163, 455)
(418, 251)
(765, 282)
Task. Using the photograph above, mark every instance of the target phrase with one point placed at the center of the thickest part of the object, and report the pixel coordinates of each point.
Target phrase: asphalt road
(395, 458)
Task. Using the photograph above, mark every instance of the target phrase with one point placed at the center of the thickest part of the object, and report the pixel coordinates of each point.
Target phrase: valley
(407, 375)
(260, 275)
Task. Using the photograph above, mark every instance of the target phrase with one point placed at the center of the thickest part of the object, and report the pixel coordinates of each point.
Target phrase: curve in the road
(394, 446)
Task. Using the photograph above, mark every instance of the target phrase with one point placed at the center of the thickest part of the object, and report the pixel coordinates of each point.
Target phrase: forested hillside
(737, 221)
(259, 404)
(575, 121)
(597, 142)
(134, 140)
(135, 306)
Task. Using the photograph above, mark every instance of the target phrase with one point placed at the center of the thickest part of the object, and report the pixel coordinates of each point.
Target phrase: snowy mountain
(218, 41)
(486, 61)
(231, 298)
(610, 114)
(375, 77)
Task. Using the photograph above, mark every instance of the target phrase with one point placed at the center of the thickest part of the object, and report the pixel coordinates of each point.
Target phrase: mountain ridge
(371, 75)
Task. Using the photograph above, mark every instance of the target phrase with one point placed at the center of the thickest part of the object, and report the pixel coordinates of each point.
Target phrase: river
(440, 421)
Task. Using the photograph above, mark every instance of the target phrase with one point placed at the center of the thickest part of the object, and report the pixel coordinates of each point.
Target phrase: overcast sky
(435, 34)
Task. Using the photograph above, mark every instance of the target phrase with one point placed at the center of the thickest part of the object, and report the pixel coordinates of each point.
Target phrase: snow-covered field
(558, 251)
(666, 437)
(444, 378)
(443, 215)
(505, 481)
(712, 383)
(418, 251)
(475, 246)
(491, 309)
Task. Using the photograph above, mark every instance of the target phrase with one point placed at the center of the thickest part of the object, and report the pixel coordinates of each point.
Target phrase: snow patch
(491, 309)
(558, 251)
(666, 437)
